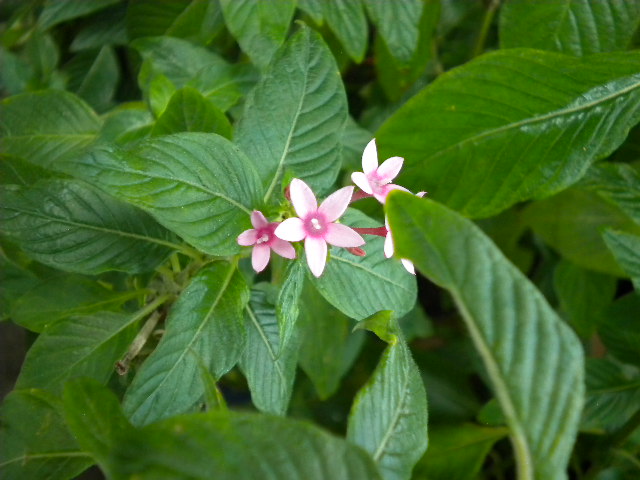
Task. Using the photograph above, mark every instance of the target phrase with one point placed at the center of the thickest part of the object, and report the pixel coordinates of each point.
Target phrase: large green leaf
(389, 414)
(576, 27)
(270, 370)
(348, 22)
(479, 139)
(259, 27)
(457, 452)
(204, 325)
(626, 250)
(533, 361)
(619, 328)
(94, 76)
(362, 286)
(293, 118)
(572, 223)
(46, 126)
(71, 226)
(35, 441)
(55, 12)
(199, 185)
(81, 346)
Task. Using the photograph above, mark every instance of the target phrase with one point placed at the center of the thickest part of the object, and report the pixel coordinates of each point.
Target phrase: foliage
(214, 228)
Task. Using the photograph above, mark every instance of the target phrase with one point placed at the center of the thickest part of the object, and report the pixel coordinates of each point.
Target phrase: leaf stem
(486, 25)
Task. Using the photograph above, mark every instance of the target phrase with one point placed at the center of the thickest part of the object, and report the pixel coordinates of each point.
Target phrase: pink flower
(316, 224)
(376, 180)
(263, 240)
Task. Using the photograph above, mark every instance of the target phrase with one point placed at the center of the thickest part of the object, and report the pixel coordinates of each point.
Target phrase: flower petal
(342, 236)
(258, 220)
(361, 180)
(248, 237)
(388, 246)
(408, 266)
(316, 250)
(282, 248)
(384, 191)
(260, 257)
(370, 157)
(302, 198)
(390, 168)
(335, 204)
(292, 230)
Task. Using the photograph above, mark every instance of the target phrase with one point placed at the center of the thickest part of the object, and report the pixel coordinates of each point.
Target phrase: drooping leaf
(583, 294)
(35, 441)
(198, 185)
(575, 27)
(626, 250)
(288, 304)
(533, 361)
(293, 118)
(389, 414)
(55, 12)
(490, 142)
(572, 222)
(270, 370)
(189, 111)
(619, 328)
(457, 452)
(347, 21)
(94, 77)
(107, 27)
(362, 286)
(204, 325)
(45, 127)
(62, 296)
(259, 27)
(80, 346)
(329, 347)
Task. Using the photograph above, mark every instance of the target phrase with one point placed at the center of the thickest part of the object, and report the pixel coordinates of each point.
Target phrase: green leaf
(389, 414)
(259, 27)
(619, 329)
(583, 294)
(105, 28)
(626, 250)
(532, 359)
(189, 447)
(62, 296)
(55, 12)
(362, 286)
(347, 21)
(457, 452)
(270, 370)
(205, 324)
(47, 126)
(329, 347)
(189, 111)
(575, 27)
(572, 222)
(398, 24)
(354, 139)
(17, 171)
(123, 121)
(494, 143)
(71, 226)
(313, 8)
(80, 346)
(310, 112)
(288, 304)
(198, 185)
(613, 395)
(35, 441)
(94, 77)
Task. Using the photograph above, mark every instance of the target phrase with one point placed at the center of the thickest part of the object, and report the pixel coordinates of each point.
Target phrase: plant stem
(486, 25)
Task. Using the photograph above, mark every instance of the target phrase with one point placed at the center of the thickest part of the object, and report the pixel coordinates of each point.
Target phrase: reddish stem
(357, 251)
(379, 231)
(359, 194)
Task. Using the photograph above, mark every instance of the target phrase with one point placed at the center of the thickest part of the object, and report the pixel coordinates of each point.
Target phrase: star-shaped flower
(264, 240)
(316, 224)
(376, 180)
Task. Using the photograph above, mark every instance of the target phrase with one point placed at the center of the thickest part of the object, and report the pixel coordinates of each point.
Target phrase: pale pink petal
(421, 194)
(302, 198)
(282, 248)
(361, 180)
(316, 250)
(292, 230)
(408, 266)
(248, 237)
(342, 236)
(390, 168)
(258, 220)
(384, 191)
(260, 257)
(335, 204)
(370, 157)
(388, 246)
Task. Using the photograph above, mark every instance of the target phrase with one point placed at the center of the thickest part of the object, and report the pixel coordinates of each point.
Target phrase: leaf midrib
(371, 272)
(45, 455)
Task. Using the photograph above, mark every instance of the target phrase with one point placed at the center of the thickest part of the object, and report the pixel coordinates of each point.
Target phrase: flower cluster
(317, 225)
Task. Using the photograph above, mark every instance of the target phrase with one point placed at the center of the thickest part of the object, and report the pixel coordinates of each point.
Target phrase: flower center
(315, 225)
(262, 238)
